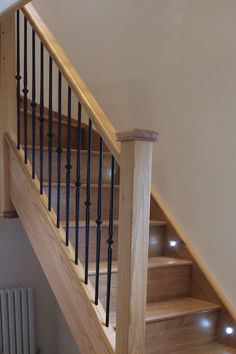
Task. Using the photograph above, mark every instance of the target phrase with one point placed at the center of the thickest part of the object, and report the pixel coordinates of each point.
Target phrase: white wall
(169, 65)
(19, 267)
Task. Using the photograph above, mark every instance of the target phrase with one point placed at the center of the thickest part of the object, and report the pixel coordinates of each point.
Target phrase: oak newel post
(7, 103)
(133, 239)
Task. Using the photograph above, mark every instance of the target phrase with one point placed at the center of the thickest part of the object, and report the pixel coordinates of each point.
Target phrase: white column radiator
(17, 333)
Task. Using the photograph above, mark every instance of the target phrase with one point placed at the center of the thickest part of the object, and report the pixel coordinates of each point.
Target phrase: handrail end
(138, 134)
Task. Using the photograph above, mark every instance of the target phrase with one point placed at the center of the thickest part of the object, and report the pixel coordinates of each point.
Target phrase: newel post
(7, 103)
(133, 239)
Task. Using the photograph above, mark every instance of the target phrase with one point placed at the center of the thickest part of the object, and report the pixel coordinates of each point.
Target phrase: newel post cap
(138, 134)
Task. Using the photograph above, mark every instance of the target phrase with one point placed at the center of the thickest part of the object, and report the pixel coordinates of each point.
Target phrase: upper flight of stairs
(176, 322)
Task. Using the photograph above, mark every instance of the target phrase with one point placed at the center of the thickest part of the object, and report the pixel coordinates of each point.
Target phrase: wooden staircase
(176, 322)
(183, 312)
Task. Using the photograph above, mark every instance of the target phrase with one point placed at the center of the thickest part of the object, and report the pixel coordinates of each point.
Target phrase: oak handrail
(96, 114)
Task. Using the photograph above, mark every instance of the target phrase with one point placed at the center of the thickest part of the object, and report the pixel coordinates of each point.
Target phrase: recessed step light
(173, 243)
(229, 330)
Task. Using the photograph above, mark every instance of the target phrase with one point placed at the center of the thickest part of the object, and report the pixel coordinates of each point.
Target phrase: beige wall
(169, 65)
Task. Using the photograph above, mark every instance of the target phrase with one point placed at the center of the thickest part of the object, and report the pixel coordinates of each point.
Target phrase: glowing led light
(173, 243)
(153, 240)
(229, 330)
(205, 323)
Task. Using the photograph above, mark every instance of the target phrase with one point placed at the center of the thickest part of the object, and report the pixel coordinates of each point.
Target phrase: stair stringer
(85, 320)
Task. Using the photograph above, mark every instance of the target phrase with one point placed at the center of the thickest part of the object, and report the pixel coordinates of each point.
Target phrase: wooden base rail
(86, 321)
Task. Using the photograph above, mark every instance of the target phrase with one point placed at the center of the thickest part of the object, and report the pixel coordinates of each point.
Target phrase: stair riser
(167, 283)
(106, 172)
(74, 135)
(163, 283)
(93, 206)
(181, 333)
(156, 242)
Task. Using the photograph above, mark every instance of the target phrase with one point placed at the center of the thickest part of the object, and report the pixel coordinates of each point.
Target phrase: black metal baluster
(99, 221)
(110, 243)
(88, 201)
(59, 151)
(18, 77)
(68, 168)
(50, 138)
(33, 103)
(78, 186)
(25, 91)
(41, 115)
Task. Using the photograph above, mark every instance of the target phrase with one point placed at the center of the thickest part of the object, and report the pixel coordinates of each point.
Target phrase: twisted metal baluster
(88, 201)
(25, 91)
(33, 103)
(99, 221)
(68, 168)
(110, 242)
(18, 77)
(41, 115)
(78, 186)
(50, 138)
(59, 150)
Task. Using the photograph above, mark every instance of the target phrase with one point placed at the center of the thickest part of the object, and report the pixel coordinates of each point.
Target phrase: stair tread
(177, 308)
(212, 348)
(164, 310)
(83, 185)
(82, 223)
(153, 262)
(54, 149)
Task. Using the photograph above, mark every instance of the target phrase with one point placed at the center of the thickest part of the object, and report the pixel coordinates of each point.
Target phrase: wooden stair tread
(54, 149)
(83, 185)
(115, 223)
(165, 310)
(153, 262)
(212, 348)
(177, 308)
